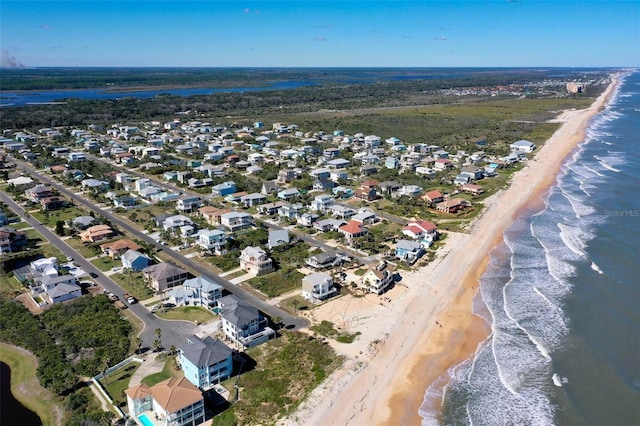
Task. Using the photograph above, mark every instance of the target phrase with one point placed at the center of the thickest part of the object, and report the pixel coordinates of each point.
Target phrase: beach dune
(433, 328)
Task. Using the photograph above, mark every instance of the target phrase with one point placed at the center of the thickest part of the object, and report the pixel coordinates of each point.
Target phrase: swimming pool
(145, 420)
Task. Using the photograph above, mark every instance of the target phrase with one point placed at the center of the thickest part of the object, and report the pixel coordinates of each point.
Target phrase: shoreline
(436, 329)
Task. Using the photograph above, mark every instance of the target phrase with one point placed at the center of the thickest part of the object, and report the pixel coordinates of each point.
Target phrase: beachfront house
(205, 362)
(242, 323)
(317, 287)
(172, 402)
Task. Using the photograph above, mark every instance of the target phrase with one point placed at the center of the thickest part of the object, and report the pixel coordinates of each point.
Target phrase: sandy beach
(426, 326)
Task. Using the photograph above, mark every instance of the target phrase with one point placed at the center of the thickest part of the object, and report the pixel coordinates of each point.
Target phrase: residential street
(124, 225)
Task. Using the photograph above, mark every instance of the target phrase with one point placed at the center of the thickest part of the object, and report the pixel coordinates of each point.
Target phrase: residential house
(473, 189)
(343, 212)
(392, 163)
(318, 286)
(278, 237)
(323, 260)
(115, 249)
(366, 194)
(423, 231)
(426, 172)
(409, 191)
(205, 362)
(172, 402)
(523, 146)
(408, 251)
(55, 289)
(243, 323)
(365, 217)
(164, 275)
(212, 214)
(307, 219)
(96, 233)
(38, 193)
(286, 176)
(135, 260)
(288, 194)
(236, 220)
(452, 205)
(338, 164)
(322, 202)
(353, 230)
(172, 223)
(270, 208)
(12, 240)
(377, 279)
(94, 185)
(188, 203)
(254, 199)
(269, 187)
(200, 291)
(223, 189)
(213, 240)
(433, 197)
(290, 211)
(389, 188)
(324, 185)
(328, 225)
(442, 164)
(255, 260)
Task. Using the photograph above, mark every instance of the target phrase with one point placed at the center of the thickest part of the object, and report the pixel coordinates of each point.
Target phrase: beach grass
(25, 386)
(278, 282)
(133, 284)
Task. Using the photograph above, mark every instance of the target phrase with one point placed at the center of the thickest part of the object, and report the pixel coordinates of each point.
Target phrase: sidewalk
(148, 366)
(242, 278)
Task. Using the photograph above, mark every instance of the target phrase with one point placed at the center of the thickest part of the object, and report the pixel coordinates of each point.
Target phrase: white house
(318, 286)
(255, 260)
(523, 146)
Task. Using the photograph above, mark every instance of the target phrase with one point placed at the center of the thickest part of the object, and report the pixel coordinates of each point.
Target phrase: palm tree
(138, 344)
(156, 345)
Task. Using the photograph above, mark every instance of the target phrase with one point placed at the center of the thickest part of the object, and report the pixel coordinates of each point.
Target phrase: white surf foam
(596, 268)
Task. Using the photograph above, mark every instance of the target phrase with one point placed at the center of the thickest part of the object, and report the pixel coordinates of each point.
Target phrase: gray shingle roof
(237, 311)
(205, 352)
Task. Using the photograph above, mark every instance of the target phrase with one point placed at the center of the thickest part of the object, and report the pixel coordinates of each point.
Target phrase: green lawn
(50, 218)
(187, 313)
(116, 383)
(276, 283)
(26, 388)
(133, 284)
(169, 370)
(85, 250)
(9, 284)
(105, 263)
(19, 225)
(295, 304)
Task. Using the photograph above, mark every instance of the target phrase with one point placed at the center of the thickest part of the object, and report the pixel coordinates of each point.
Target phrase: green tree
(60, 227)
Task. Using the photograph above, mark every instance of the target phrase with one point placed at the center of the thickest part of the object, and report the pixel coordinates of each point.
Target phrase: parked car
(69, 259)
(132, 300)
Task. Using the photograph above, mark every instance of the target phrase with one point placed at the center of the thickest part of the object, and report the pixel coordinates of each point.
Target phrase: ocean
(562, 296)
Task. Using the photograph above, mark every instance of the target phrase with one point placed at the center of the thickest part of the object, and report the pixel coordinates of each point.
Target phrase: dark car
(93, 275)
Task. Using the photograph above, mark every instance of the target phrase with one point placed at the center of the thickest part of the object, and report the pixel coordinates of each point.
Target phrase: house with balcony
(223, 189)
(205, 362)
(175, 222)
(307, 219)
(290, 211)
(38, 193)
(235, 221)
(408, 251)
(199, 291)
(188, 203)
(255, 260)
(377, 279)
(254, 199)
(55, 289)
(322, 202)
(172, 402)
(243, 323)
(317, 287)
(288, 194)
(212, 239)
(423, 231)
(353, 230)
(164, 275)
(433, 197)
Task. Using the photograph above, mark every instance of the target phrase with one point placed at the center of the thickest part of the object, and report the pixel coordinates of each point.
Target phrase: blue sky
(320, 33)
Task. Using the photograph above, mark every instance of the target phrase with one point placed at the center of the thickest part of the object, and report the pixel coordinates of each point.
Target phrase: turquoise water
(145, 420)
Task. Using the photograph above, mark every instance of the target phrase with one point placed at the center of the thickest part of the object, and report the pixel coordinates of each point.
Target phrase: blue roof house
(135, 260)
(205, 362)
(225, 188)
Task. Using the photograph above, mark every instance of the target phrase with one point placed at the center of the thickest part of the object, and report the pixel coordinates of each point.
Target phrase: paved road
(173, 332)
(288, 320)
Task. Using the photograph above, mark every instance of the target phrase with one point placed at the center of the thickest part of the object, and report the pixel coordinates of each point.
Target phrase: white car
(69, 259)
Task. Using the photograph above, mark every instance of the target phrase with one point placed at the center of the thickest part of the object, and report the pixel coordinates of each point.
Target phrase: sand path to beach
(428, 327)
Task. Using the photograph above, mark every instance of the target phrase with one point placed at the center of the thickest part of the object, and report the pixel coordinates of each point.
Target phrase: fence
(103, 392)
